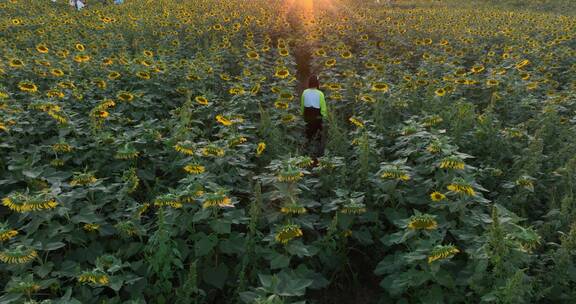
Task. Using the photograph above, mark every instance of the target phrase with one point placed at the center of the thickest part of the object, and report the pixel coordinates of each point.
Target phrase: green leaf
(53, 246)
(279, 261)
(205, 245)
(116, 283)
(31, 173)
(201, 215)
(235, 244)
(298, 248)
(220, 226)
(43, 270)
(289, 284)
(216, 276)
(10, 298)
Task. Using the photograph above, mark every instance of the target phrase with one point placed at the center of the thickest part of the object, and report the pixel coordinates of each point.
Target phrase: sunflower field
(154, 152)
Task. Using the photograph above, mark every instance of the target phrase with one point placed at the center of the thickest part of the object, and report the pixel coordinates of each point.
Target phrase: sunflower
(346, 55)
(143, 75)
(107, 61)
(334, 86)
(194, 169)
(380, 87)
(96, 113)
(148, 53)
(101, 84)
(57, 163)
(522, 64)
(125, 96)
(236, 91)
(168, 200)
(127, 228)
(290, 174)
(437, 196)
(217, 199)
(432, 120)
(440, 92)
(260, 148)
(54, 94)
(212, 150)
(81, 58)
(292, 208)
(126, 153)
(62, 148)
(94, 277)
(201, 100)
(255, 89)
(283, 52)
(113, 75)
(320, 53)
(441, 252)
(27, 86)
(185, 147)
(82, 179)
(477, 69)
(460, 186)
(91, 227)
(80, 47)
(287, 118)
(41, 48)
(392, 172)
(287, 233)
(422, 221)
(223, 120)
(532, 85)
(282, 73)
(525, 76)
(330, 62)
(353, 208)
(6, 233)
(57, 72)
(452, 162)
(281, 105)
(16, 63)
(62, 53)
(492, 82)
(357, 122)
(20, 202)
(233, 142)
(252, 55)
(19, 254)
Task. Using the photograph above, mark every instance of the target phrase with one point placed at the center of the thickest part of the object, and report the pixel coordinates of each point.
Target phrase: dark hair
(313, 82)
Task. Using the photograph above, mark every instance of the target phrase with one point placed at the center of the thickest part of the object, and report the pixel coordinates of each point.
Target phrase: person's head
(313, 82)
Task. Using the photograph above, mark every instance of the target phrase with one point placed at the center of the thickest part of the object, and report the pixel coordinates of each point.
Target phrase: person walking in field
(78, 4)
(313, 108)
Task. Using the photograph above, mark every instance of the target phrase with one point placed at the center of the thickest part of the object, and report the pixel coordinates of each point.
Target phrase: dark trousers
(313, 120)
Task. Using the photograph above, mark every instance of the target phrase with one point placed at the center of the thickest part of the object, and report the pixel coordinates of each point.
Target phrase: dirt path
(302, 49)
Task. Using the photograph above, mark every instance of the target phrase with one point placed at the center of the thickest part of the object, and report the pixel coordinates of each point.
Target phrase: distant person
(118, 1)
(313, 108)
(78, 4)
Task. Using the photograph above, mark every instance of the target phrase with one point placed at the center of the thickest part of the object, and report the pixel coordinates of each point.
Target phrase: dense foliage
(153, 152)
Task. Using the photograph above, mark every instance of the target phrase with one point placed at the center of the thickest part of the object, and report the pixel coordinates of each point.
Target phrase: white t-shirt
(312, 98)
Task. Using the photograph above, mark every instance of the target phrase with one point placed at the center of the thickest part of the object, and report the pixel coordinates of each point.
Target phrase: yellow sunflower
(57, 72)
(41, 48)
(380, 87)
(16, 63)
(27, 86)
(282, 73)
